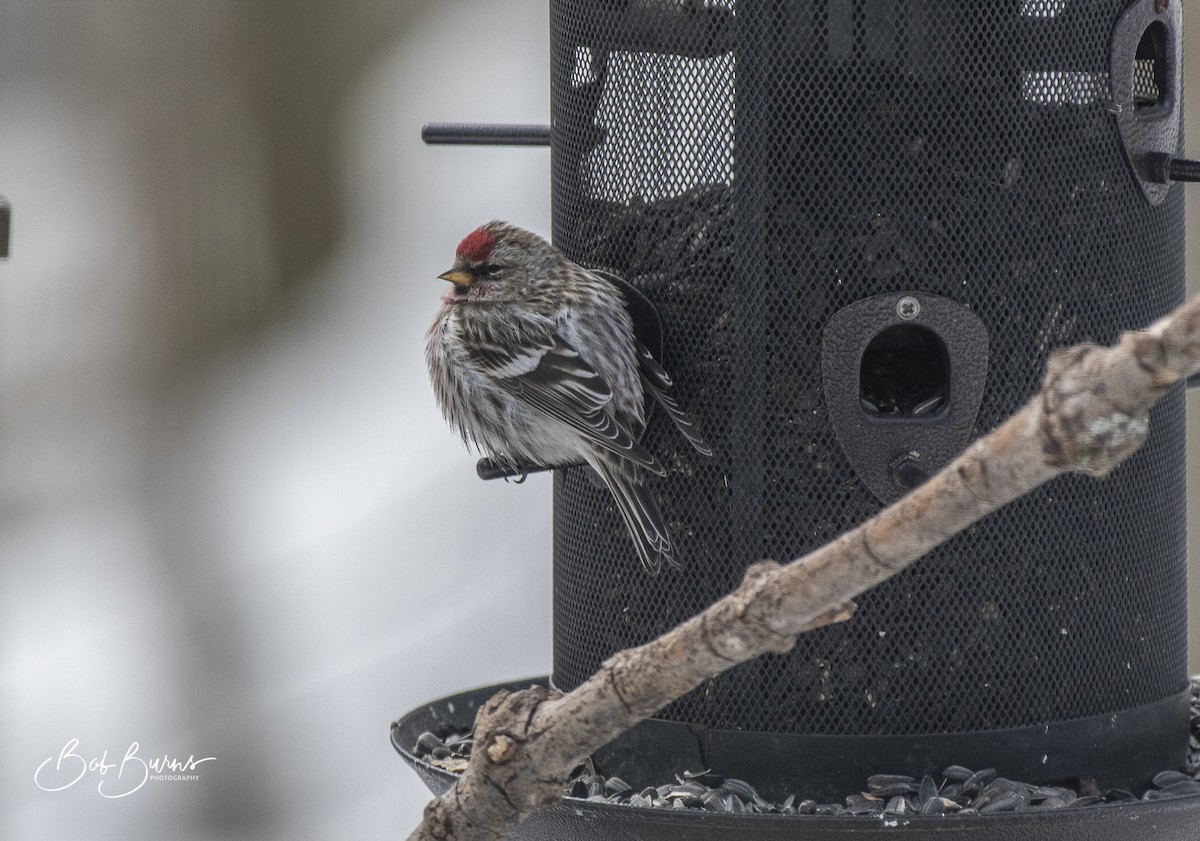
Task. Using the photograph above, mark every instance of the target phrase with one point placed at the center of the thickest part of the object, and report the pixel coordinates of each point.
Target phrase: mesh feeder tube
(864, 227)
(856, 231)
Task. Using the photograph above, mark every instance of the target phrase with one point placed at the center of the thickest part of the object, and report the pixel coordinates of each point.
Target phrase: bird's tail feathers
(640, 513)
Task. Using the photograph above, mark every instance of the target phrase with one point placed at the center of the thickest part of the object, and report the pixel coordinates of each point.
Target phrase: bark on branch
(1090, 414)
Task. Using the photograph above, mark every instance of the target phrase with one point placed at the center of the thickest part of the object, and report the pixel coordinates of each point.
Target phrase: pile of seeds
(448, 747)
(957, 790)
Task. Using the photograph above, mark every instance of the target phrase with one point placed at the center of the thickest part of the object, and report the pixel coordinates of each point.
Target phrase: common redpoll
(535, 362)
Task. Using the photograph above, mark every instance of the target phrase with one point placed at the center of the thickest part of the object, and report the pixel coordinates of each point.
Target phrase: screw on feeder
(908, 308)
(907, 471)
(1161, 6)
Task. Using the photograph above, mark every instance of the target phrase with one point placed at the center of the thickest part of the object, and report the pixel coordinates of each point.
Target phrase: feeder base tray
(1167, 819)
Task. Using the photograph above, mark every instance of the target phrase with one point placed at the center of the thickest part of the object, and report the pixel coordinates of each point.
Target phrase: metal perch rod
(485, 134)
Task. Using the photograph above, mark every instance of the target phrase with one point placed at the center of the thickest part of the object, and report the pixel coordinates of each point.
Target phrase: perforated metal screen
(755, 167)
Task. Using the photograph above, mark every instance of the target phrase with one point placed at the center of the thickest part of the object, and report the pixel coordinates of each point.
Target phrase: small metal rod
(487, 468)
(1164, 168)
(485, 134)
(1182, 169)
(5, 226)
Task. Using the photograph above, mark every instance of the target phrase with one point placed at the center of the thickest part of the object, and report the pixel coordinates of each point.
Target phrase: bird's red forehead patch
(477, 246)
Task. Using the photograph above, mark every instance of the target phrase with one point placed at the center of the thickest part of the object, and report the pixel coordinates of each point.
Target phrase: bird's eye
(489, 270)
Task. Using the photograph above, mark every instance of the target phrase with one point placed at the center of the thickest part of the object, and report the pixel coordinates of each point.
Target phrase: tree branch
(1091, 413)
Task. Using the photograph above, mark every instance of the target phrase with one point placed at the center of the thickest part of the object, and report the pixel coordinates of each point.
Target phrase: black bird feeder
(864, 226)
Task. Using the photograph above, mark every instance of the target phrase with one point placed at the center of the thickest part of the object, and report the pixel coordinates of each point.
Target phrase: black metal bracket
(904, 376)
(691, 28)
(1148, 33)
(485, 134)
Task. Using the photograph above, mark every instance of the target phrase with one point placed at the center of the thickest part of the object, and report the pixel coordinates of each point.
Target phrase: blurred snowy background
(232, 522)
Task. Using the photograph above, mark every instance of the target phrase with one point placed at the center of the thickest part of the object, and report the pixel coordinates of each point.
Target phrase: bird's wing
(657, 384)
(550, 375)
(656, 381)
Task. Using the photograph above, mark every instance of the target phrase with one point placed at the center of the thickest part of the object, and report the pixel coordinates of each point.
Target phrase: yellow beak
(461, 278)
